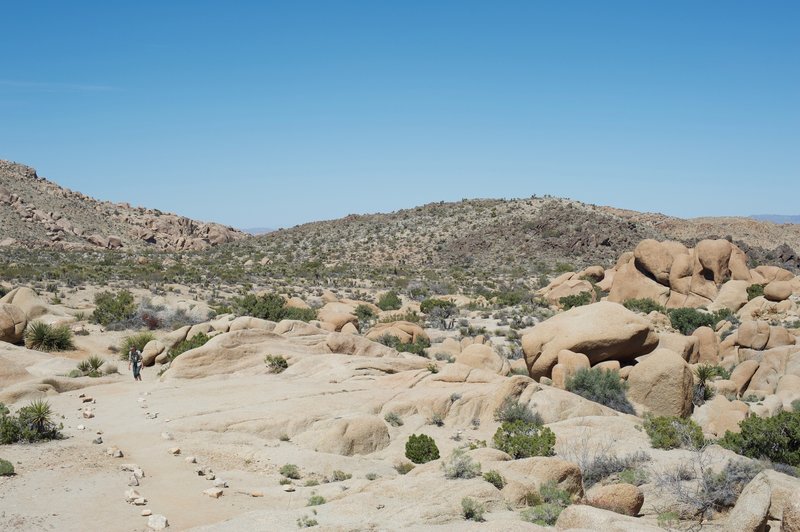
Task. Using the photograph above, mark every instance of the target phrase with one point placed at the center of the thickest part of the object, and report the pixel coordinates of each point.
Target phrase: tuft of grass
(276, 363)
(340, 476)
(472, 510)
(393, 419)
(316, 500)
(460, 465)
(290, 471)
(44, 337)
(404, 467)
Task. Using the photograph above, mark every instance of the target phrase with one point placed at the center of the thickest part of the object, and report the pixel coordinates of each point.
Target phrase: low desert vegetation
(198, 340)
(521, 439)
(417, 348)
(111, 309)
(512, 410)
(601, 386)
(50, 338)
(276, 363)
(644, 305)
(138, 340)
(754, 291)
(494, 478)
(776, 438)
(687, 320)
(89, 367)
(393, 419)
(421, 449)
(290, 471)
(667, 432)
(547, 505)
(460, 465)
(270, 307)
(575, 300)
(389, 301)
(6, 468)
(31, 424)
(472, 510)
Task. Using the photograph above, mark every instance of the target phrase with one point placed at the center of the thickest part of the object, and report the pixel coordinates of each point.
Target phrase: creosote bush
(113, 308)
(389, 301)
(667, 432)
(45, 337)
(461, 465)
(686, 320)
(645, 305)
(601, 386)
(198, 340)
(270, 307)
(495, 479)
(472, 510)
(575, 300)
(290, 471)
(421, 449)
(416, 348)
(520, 439)
(776, 438)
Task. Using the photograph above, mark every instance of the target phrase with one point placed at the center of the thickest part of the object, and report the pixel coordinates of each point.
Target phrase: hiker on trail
(135, 361)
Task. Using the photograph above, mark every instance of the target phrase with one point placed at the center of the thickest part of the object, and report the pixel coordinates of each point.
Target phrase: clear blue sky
(276, 113)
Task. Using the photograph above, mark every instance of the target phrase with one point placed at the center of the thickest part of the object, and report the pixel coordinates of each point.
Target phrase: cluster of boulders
(714, 274)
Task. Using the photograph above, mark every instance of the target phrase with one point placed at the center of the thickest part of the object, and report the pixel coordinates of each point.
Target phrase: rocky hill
(35, 212)
(523, 235)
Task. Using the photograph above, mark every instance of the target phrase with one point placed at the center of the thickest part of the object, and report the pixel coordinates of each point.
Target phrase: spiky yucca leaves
(45, 337)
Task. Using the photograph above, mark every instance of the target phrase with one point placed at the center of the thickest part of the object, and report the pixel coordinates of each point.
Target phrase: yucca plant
(35, 422)
(84, 367)
(45, 337)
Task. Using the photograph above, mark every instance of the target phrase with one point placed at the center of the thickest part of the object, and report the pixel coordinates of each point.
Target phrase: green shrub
(89, 367)
(645, 305)
(389, 301)
(472, 510)
(315, 500)
(306, 522)
(138, 340)
(340, 476)
(513, 410)
(575, 300)
(542, 514)
(404, 467)
(520, 439)
(198, 340)
(754, 291)
(44, 337)
(604, 464)
(416, 348)
(270, 307)
(796, 405)
(601, 386)
(111, 308)
(686, 320)
(32, 423)
(667, 432)
(776, 438)
(421, 449)
(495, 479)
(290, 471)
(6, 468)
(276, 363)
(461, 465)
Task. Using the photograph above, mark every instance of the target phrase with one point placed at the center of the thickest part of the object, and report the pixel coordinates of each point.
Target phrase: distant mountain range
(778, 218)
(258, 230)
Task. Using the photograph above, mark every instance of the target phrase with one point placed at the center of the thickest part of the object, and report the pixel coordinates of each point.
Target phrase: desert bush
(198, 340)
(494, 478)
(316, 500)
(686, 320)
(270, 307)
(575, 300)
(389, 301)
(32, 423)
(726, 486)
(521, 439)
(393, 419)
(340, 476)
(89, 367)
(415, 348)
(138, 340)
(421, 449)
(365, 316)
(290, 471)
(460, 465)
(512, 410)
(276, 363)
(776, 438)
(438, 311)
(754, 291)
(668, 432)
(6, 468)
(113, 308)
(601, 386)
(605, 465)
(472, 510)
(645, 305)
(404, 467)
(548, 506)
(45, 337)
(306, 521)
(636, 476)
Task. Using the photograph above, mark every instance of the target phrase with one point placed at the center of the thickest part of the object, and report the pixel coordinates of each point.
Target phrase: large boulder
(713, 256)
(12, 323)
(752, 507)
(732, 295)
(623, 498)
(584, 517)
(337, 315)
(753, 334)
(601, 331)
(663, 384)
(630, 283)
(791, 514)
(151, 351)
(358, 435)
(482, 356)
(406, 332)
(778, 290)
